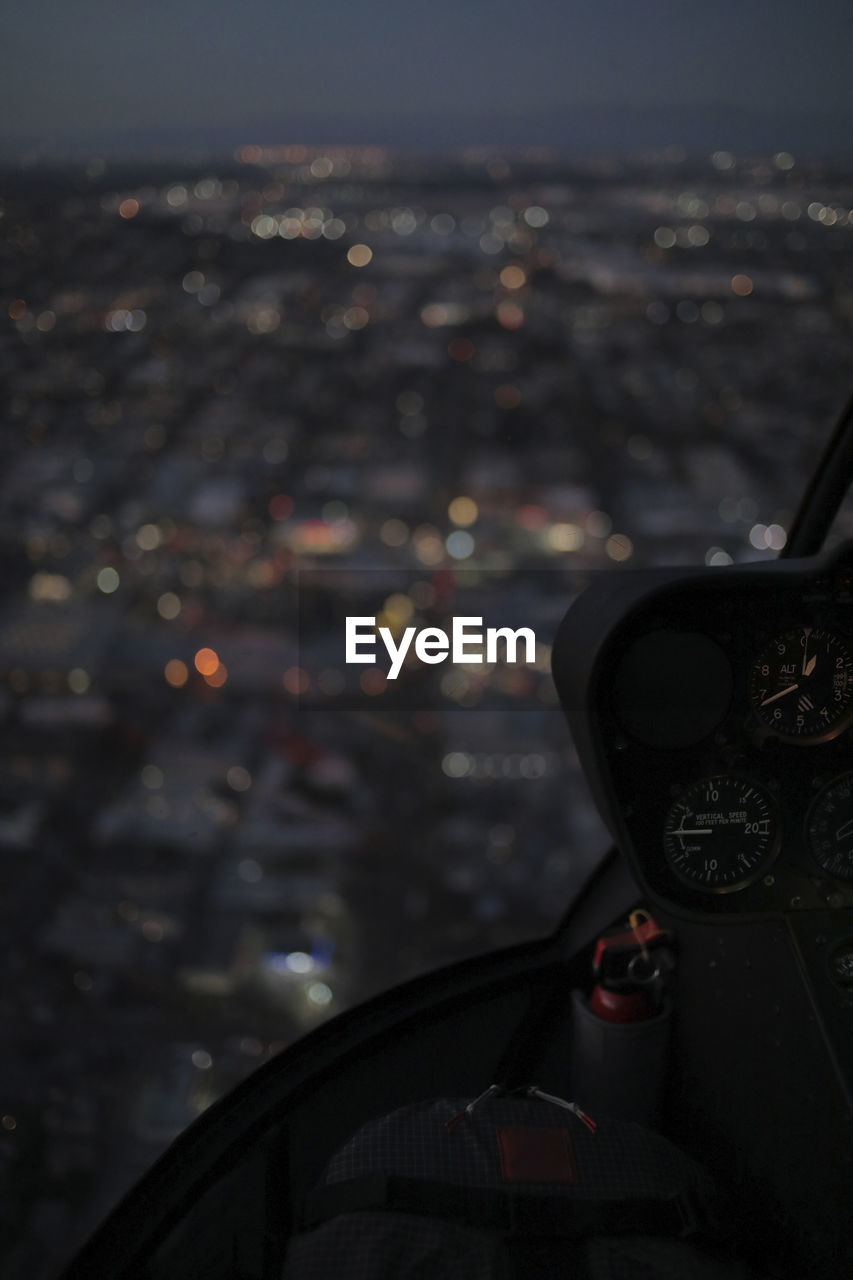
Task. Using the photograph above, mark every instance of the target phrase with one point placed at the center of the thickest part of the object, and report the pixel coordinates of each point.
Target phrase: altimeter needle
(788, 689)
(807, 668)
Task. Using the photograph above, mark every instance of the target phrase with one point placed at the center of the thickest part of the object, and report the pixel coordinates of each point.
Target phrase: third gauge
(829, 827)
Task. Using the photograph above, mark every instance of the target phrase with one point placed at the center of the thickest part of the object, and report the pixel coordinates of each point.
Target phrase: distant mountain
(586, 129)
(580, 130)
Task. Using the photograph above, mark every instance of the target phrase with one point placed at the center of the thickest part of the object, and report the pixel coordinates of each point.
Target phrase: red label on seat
(536, 1155)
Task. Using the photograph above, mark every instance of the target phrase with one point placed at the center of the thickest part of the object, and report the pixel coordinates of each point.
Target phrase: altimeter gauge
(721, 834)
(829, 828)
(801, 687)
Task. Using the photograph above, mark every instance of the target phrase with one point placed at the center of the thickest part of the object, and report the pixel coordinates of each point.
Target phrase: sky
(88, 74)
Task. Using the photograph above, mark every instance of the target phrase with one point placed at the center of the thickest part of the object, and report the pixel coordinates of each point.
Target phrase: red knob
(619, 1006)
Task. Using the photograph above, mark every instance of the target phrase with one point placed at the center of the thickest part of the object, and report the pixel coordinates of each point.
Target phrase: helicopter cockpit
(712, 712)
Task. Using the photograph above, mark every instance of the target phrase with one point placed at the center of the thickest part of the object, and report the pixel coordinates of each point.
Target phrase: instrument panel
(713, 714)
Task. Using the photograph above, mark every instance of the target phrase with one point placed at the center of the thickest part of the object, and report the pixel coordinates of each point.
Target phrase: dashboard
(713, 714)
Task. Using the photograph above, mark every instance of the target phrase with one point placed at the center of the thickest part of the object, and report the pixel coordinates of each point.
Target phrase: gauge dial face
(829, 828)
(721, 834)
(801, 687)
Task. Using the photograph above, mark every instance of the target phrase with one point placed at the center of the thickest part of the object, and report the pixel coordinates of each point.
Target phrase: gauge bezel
(836, 728)
(766, 860)
(808, 825)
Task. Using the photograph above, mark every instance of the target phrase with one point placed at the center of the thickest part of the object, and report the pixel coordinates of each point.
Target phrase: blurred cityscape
(234, 387)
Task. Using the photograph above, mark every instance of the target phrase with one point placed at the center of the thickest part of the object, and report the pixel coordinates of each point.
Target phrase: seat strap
(512, 1213)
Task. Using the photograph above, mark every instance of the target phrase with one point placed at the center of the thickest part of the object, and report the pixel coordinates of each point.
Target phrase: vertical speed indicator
(721, 834)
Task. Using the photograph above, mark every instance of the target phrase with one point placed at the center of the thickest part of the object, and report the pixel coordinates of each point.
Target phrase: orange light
(176, 673)
(128, 208)
(206, 661)
(513, 277)
(217, 678)
(296, 681)
(742, 286)
(17, 309)
(510, 316)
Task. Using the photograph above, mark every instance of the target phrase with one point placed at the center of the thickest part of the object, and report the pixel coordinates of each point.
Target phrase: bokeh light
(359, 255)
(463, 511)
(176, 673)
(206, 661)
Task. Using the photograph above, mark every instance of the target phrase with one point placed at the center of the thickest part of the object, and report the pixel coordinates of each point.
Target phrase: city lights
(460, 545)
(216, 678)
(510, 315)
(296, 681)
(79, 681)
(394, 533)
(169, 605)
(319, 994)
(564, 536)
(176, 673)
(152, 777)
(206, 661)
(238, 778)
(332, 382)
(463, 511)
(536, 216)
(461, 350)
(359, 255)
